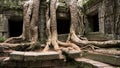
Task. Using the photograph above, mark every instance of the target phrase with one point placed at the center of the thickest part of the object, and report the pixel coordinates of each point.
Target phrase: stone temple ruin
(101, 20)
(106, 14)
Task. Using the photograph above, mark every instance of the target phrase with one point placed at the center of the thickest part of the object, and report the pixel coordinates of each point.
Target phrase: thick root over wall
(29, 37)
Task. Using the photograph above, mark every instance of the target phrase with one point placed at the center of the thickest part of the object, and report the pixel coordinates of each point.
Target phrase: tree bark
(54, 24)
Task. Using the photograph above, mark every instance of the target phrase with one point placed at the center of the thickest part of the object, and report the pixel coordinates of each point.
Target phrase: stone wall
(108, 16)
(117, 19)
(11, 4)
(8, 9)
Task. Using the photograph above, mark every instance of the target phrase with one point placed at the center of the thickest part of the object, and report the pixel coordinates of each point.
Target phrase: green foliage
(86, 2)
(10, 4)
(2, 39)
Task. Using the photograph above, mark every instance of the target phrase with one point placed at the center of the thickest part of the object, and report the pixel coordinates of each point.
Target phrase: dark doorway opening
(94, 22)
(15, 27)
(63, 26)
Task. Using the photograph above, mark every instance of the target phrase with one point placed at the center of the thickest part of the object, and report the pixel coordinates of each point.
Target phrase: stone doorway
(15, 26)
(94, 22)
(63, 26)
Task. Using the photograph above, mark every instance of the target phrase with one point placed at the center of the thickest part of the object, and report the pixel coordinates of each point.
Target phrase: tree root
(69, 44)
(16, 46)
(89, 47)
(14, 40)
(102, 44)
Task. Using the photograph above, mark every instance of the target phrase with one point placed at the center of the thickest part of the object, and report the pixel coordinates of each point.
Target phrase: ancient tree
(30, 35)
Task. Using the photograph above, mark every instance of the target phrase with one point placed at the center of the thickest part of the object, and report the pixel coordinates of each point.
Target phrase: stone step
(96, 36)
(88, 63)
(33, 56)
(81, 63)
(106, 58)
(6, 62)
(71, 53)
(5, 53)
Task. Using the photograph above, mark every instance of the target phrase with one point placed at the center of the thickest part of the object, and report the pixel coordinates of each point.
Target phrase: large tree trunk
(52, 33)
(54, 24)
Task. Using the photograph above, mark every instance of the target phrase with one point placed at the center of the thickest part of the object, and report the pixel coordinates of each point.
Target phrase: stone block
(23, 64)
(60, 63)
(48, 63)
(109, 10)
(0, 34)
(110, 59)
(35, 64)
(1, 49)
(72, 53)
(30, 56)
(88, 63)
(48, 55)
(101, 25)
(17, 55)
(118, 2)
(35, 56)
(63, 37)
(1, 28)
(7, 63)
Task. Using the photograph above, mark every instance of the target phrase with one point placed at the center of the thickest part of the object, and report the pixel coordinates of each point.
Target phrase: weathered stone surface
(45, 63)
(108, 15)
(48, 55)
(87, 63)
(30, 56)
(72, 53)
(2, 58)
(33, 56)
(3, 25)
(6, 62)
(110, 59)
(1, 49)
(98, 36)
(16, 55)
(63, 37)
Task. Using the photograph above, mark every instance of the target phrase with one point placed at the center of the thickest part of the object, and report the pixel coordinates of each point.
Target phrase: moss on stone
(86, 2)
(2, 39)
(11, 4)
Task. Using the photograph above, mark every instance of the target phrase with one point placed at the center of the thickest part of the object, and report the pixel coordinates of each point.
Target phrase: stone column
(3, 26)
